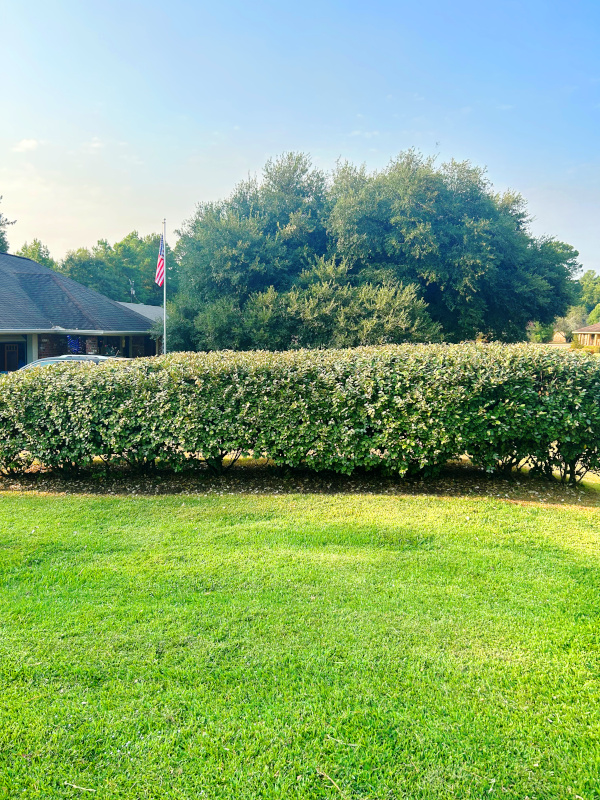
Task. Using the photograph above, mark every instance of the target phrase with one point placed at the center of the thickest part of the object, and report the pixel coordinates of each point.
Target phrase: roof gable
(589, 329)
(34, 297)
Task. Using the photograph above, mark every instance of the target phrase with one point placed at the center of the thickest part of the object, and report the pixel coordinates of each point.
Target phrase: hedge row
(406, 409)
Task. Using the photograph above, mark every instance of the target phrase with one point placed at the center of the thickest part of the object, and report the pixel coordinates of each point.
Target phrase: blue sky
(114, 115)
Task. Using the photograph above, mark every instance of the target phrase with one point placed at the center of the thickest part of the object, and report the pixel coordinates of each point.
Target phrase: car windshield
(69, 359)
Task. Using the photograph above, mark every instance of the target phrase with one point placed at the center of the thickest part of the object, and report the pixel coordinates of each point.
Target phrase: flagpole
(165, 289)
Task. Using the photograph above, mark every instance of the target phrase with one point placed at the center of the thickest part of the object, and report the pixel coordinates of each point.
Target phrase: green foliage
(467, 248)
(575, 318)
(38, 252)
(404, 409)
(589, 289)
(464, 250)
(324, 309)
(4, 223)
(539, 333)
(594, 316)
(113, 270)
(265, 234)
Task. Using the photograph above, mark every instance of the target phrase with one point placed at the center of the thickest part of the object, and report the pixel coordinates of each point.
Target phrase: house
(44, 313)
(558, 338)
(589, 336)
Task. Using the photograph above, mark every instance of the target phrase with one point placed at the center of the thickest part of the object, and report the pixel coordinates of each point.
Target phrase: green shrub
(404, 409)
(539, 333)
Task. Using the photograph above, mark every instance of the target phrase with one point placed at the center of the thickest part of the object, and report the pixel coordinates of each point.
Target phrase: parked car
(77, 359)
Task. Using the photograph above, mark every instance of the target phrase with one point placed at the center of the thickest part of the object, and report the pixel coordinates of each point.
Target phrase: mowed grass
(298, 646)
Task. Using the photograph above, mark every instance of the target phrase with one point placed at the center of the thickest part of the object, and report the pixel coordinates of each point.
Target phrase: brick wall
(91, 346)
(56, 345)
(51, 345)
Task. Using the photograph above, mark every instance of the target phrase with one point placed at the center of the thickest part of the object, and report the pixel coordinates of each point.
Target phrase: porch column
(32, 347)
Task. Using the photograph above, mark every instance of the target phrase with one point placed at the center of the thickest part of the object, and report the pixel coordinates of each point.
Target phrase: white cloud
(132, 159)
(365, 134)
(94, 146)
(26, 145)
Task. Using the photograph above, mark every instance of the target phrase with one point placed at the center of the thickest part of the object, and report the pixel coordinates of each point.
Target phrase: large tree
(412, 233)
(254, 274)
(265, 234)
(468, 249)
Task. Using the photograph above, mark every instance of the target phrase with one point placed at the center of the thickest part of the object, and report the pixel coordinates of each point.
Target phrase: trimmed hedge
(406, 409)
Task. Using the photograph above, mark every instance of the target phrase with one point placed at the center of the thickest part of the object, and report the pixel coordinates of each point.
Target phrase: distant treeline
(123, 271)
(303, 258)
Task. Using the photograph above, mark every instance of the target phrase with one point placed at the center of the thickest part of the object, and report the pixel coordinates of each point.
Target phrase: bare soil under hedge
(257, 477)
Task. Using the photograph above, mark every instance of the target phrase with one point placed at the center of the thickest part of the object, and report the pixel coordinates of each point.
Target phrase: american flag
(160, 264)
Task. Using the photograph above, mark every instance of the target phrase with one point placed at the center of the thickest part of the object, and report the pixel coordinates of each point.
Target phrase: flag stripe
(160, 264)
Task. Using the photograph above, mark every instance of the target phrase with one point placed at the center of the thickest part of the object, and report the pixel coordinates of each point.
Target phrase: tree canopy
(265, 234)
(324, 309)
(39, 252)
(116, 270)
(413, 252)
(468, 249)
(590, 290)
(4, 223)
(576, 317)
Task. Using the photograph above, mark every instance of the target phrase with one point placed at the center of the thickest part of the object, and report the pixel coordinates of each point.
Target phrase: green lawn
(298, 646)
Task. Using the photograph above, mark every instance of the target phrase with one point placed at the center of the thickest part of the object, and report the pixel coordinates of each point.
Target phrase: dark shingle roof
(155, 313)
(35, 298)
(590, 329)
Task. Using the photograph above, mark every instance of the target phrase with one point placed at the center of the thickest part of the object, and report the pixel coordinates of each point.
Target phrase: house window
(110, 345)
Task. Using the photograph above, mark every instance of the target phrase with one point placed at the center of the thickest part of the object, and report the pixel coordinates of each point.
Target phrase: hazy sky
(114, 115)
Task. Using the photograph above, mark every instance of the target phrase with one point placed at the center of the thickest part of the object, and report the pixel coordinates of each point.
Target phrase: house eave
(70, 332)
